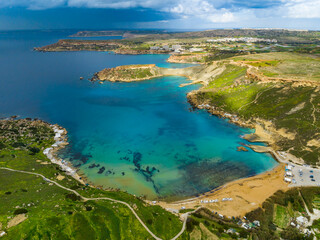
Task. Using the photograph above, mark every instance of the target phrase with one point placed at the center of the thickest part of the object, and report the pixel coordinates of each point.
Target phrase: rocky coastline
(261, 134)
(60, 139)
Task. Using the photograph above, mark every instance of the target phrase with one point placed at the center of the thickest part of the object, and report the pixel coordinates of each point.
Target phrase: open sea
(140, 137)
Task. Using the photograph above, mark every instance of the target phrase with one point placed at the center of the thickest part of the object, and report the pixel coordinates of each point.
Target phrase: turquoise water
(140, 137)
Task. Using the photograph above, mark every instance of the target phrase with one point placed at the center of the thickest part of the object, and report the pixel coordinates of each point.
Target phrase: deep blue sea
(140, 137)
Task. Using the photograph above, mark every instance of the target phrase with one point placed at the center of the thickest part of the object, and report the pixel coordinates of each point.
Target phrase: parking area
(304, 176)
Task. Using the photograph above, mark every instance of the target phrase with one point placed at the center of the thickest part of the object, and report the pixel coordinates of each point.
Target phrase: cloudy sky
(164, 14)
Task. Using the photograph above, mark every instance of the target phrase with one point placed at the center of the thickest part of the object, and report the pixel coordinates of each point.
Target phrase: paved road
(185, 216)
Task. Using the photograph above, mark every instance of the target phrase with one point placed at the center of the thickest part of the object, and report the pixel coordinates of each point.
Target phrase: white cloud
(206, 11)
(302, 8)
(222, 18)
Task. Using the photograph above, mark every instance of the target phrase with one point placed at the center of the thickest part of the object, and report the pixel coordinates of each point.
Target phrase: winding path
(185, 216)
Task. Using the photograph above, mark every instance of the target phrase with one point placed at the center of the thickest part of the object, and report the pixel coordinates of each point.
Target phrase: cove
(140, 137)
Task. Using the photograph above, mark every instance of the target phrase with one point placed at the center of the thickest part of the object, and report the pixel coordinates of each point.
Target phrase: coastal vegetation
(272, 87)
(269, 90)
(128, 73)
(285, 104)
(47, 211)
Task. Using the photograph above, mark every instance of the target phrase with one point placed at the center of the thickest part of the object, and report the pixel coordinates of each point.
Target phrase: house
(154, 48)
(166, 47)
(256, 223)
(302, 220)
(176, 47)
(245, 226)
(196, 49)
(231, 231)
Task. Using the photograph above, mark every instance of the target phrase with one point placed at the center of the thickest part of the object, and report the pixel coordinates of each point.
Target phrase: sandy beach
(238, 197)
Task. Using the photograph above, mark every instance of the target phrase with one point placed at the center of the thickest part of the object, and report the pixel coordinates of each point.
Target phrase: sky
(159, 14)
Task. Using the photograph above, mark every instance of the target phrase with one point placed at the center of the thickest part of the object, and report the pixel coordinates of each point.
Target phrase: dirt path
(314, 109)
(102, 198)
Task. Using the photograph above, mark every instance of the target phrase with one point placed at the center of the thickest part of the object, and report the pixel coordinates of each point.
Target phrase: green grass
(276, 102)
(51, 215)
(281, 216)
(227, 77)
(264, 63)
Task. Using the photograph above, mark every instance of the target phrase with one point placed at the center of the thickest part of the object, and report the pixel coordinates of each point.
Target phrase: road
(185, 216)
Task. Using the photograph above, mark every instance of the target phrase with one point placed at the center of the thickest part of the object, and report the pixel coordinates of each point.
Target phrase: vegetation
(289, 106)
(54, 213)
(280, 210)
(128, 73)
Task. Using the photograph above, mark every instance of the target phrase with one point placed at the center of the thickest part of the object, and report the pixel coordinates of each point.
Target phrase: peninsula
(268, 80)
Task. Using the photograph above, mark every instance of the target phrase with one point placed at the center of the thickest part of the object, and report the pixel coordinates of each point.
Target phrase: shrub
(73, 197)
(20, 211)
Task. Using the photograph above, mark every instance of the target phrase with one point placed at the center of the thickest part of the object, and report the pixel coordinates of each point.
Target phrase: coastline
(258, 136)
(263, 132)
(51, 153)
(238, 197)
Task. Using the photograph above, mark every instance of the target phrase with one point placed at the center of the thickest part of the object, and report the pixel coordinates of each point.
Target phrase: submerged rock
(101, 170)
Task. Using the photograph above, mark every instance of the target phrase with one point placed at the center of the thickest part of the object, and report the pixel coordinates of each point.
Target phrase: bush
(2, 146)
(73, 197)
(191, 223)
(20, 211)
(33, 150)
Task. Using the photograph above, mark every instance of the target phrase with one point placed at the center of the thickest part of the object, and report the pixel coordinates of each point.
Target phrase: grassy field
(281, 216)
(54, 213)
(206, 225)
(286, 65)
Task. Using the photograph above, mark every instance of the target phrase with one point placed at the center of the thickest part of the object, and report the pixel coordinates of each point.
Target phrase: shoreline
(262, 134)
(257, 136)
(51, 153)
(237, 197)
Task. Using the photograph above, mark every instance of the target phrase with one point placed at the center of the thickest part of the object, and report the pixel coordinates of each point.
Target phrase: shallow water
(140, 136)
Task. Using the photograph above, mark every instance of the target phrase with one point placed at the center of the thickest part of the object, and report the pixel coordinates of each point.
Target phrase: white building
(196, 49)
(302, 220)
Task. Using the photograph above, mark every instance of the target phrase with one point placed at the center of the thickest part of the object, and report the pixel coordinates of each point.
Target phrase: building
(176, 47)
(196, 49)
(302, 220)
(166, 47)
(256, 223)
